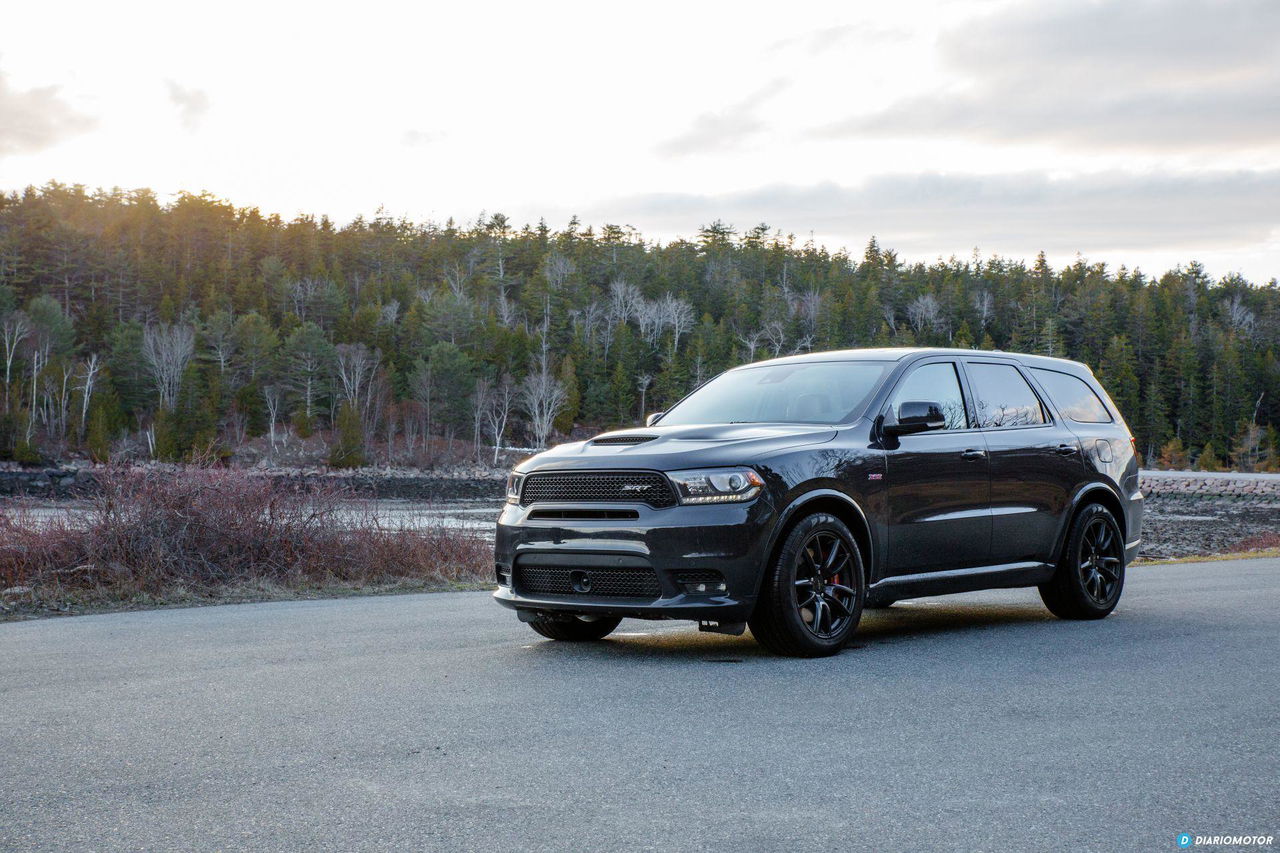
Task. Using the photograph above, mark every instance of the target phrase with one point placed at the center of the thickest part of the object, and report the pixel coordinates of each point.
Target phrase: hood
(673, 447)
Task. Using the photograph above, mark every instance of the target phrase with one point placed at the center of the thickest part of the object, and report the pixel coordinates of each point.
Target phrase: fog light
(705, 587)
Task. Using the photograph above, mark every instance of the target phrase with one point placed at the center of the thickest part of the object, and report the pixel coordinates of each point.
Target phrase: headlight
(716, 485)
(514, 481)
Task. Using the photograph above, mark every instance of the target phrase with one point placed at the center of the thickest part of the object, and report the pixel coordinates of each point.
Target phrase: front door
(1035, 463)
(937, 482)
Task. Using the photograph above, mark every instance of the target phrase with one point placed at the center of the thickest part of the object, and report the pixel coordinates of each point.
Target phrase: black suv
(792, 493)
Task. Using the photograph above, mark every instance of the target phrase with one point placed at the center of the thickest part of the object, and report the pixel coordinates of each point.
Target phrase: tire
(818, 546)
(1090, 574)
(576, 629)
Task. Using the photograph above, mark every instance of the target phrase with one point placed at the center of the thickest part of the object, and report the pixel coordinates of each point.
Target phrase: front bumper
(727, 538)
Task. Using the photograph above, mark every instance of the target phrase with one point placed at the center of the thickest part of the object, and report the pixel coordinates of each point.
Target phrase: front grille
(623, 439)
(583, 514)
(626, 486)
(604, 582)
(699, 576)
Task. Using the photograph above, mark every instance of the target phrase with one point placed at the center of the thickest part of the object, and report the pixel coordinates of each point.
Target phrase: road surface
(437, 722)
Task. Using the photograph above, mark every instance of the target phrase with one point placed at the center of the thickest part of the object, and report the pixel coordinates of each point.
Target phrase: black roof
(901, 353)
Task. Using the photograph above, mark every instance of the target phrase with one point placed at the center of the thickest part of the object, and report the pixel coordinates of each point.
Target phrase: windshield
(811, 392)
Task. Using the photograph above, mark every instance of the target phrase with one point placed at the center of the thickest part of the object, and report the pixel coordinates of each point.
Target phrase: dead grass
(208, 536)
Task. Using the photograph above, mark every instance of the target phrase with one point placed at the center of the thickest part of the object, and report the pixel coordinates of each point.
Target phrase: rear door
(1035, 462)
(936, 482)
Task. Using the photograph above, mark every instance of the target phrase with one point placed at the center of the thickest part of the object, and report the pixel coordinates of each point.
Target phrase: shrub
(205, 532)
(1173, 456)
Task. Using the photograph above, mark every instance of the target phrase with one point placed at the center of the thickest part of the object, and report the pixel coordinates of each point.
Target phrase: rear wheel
(576, 628)
(813, 593)
(1090, 574)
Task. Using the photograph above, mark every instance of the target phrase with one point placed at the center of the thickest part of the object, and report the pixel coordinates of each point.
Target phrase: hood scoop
(623, 439)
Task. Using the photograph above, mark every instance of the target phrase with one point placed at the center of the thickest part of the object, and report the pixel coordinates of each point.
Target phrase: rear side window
(1073, 397)
(1003, 398)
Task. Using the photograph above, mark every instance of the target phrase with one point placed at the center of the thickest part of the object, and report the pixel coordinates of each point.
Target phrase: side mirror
(917, 416)
(653, 418)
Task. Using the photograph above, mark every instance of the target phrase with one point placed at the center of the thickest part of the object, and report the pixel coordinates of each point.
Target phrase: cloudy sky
(1128, 131)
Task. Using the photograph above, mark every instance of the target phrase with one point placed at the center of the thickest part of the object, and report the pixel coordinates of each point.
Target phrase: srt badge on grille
(634, 487)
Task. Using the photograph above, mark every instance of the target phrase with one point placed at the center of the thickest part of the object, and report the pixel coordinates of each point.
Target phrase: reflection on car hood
(668, 448)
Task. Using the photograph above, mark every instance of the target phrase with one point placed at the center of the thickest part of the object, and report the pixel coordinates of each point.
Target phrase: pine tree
(1208, 460)
(348, 445)
(573, 396)
(1118, 377)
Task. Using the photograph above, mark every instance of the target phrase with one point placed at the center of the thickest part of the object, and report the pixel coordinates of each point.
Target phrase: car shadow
(904, 621)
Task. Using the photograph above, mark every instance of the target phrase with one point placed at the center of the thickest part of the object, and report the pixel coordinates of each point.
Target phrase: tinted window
(1074, 398)
(934, 383)
(813, 392)
(1002, 397)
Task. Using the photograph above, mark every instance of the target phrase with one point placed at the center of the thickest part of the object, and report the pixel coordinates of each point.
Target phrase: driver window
(934, 383)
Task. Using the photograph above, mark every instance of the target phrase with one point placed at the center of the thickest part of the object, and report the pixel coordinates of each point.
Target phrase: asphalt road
(438, 722)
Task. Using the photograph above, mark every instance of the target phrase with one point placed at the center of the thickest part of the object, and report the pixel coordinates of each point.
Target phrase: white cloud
(1022, 212)
(192, 104)
(1138, 74)
(726, 128)
(36, 119)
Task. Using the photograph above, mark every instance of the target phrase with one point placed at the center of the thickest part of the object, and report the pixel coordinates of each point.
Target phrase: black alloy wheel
(812, 595)
(825, 601)
(1101, 560)
(1090, 574)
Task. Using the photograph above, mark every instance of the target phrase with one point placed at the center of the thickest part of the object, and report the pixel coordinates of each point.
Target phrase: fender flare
(790, 510)
(1077, 500)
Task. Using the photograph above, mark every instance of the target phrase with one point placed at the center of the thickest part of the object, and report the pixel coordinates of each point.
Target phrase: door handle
(974, 453)
(1067, 450)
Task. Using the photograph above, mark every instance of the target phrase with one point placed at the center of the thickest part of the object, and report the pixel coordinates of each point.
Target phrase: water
(473, 516)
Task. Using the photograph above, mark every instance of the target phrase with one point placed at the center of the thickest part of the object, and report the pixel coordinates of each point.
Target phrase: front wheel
(812, 595)
(1090, 575)
(576, 628)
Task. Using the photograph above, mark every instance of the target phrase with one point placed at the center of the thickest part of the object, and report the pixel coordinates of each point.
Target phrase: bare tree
(219, 334)
(649, 319)
(500, 403)
(88, 379)
(422, 386)
(481, 402)
(751, 342)
(167, 350)
(924, 312)
(984, 306)
(624, 297)
(776, 335)
(356, 366)
(643, 381)
(14, 329)
(678, 316)
(389, 313)
(1238, 314)
(587, 320)
(272, 396)
(807, 306)
(557, 268)
(542, 397)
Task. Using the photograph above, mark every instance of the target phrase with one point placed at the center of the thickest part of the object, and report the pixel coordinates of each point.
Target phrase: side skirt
(951, 581)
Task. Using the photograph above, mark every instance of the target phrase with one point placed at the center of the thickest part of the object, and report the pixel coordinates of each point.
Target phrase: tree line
(132, 327)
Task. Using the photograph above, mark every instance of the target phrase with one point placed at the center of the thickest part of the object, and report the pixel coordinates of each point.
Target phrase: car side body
(986, 502)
